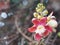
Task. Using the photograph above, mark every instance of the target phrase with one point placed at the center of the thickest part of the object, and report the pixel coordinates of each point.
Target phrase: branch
(48, 38)
(19, 30)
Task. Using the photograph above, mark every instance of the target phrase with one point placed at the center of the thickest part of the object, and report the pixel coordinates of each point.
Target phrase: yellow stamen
(40, 26)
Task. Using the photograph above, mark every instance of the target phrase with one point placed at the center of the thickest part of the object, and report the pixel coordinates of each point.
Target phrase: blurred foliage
(58, 34)
(15, 1)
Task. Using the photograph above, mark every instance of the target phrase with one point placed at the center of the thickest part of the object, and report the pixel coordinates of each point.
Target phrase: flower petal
(40, 29)
(53, 23)
(37, 37)
(35, 21)
(46, 33)
(48, 28)
(32, 29)
(43, 21)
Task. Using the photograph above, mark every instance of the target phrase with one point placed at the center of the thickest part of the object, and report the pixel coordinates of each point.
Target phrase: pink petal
(51, 14)
(46, 33)
(43, 21)
(32, 29)
(37, 37)
(35, 21)
(48, 28)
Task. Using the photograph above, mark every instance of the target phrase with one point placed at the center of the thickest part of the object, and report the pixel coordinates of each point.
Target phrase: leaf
(58, 34)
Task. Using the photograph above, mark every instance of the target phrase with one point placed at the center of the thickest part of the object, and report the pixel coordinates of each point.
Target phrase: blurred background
(23, 10)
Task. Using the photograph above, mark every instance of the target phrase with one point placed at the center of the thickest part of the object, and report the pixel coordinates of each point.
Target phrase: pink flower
(40, 28)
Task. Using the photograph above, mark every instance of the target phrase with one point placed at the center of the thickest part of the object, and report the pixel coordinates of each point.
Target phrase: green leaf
(58, 34)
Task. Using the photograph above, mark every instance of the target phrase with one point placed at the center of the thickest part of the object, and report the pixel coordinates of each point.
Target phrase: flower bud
(39, 5)
(38, 10)
(45, 12)
(35, 14)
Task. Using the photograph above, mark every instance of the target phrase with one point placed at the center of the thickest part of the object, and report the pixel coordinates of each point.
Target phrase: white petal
(40, 31)
(53, 23)
(53, 17)
(50, 15)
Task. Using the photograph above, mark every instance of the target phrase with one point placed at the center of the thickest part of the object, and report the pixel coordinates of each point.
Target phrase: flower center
(40, 27)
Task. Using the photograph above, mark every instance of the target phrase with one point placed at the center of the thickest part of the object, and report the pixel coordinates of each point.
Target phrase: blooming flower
(42, 25)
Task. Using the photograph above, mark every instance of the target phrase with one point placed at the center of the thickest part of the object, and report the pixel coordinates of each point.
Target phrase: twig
(8, 37)
(54, 40)
(8, 42)
(47, 40)
(19, 30)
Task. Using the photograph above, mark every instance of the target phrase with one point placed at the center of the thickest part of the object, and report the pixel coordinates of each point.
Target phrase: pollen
(40, 26)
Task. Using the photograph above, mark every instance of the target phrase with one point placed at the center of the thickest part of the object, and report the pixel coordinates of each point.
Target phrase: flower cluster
(43, 25)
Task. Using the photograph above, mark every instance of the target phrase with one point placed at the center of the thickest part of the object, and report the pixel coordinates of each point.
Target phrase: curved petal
(32, 29)
(35, 21)
(37, 37)
(43, 21)
(48, 28)
(46, 33)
